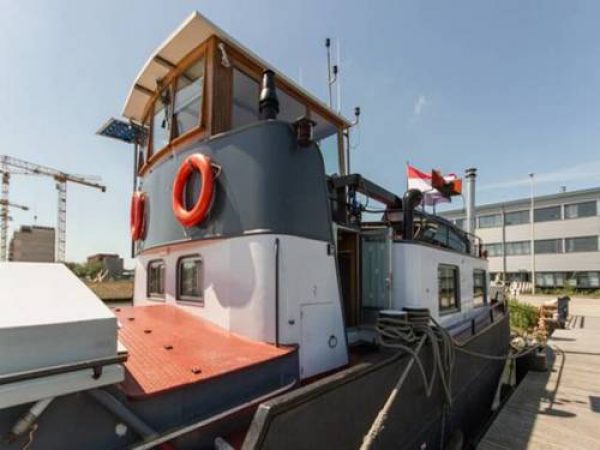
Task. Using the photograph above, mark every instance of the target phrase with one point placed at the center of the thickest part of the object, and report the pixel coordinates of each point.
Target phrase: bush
(523, 317)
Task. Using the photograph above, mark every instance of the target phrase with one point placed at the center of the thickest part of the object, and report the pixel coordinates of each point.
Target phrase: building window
(491, 221)
(516, 217)
(156, 279)
(245, 99)
(460, 223)
(448, 288)
(547, 214)
(548, 246)
(187, 109)
(479, 288)
(585, 209)
(549, 279)
(494, 249)
(581, 244)
(517, 248)
(190, 279)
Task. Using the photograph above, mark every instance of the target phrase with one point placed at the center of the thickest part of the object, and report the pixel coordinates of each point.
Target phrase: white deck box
(49, 317)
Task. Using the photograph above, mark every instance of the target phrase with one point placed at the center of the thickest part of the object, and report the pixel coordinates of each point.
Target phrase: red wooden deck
(170, 348)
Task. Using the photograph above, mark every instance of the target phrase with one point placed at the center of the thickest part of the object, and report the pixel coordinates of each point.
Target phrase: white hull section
(240, 295)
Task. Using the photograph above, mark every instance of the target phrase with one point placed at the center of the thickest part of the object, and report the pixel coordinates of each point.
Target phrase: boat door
(375, 273)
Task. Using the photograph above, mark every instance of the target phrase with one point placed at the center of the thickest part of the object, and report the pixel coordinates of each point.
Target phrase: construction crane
(10, 165)
(4, 219)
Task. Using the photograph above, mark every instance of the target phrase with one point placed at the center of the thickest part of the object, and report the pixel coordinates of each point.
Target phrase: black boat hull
(337, 412)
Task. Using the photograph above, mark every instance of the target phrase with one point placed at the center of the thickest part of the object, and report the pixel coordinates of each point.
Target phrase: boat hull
(337, 412)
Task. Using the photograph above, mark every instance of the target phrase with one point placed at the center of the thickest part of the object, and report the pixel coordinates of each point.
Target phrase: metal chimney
(268, 104)
(470, 175)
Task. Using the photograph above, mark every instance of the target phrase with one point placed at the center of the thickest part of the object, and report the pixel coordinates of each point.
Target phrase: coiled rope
(418, 327)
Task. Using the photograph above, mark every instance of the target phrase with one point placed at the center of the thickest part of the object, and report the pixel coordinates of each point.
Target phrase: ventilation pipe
(412, 198)
(470, 175)
(268, 104)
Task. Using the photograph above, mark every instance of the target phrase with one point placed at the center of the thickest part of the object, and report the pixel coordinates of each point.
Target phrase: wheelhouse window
(448, 288)
(585, 209)
(156, 279)
(245, 99)
(160, 121)
(190, 279)
(479, 287)
(187, 108)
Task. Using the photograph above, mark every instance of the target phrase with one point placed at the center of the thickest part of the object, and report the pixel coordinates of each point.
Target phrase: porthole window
(190, 279)
(156, 279)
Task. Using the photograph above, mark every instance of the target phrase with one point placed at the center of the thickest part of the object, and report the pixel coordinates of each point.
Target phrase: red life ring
(137, 215)
(197, 214)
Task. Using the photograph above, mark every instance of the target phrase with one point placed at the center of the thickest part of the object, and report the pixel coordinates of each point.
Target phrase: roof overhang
(195, 30)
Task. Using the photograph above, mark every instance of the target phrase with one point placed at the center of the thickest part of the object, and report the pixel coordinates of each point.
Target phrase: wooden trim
(221, 92)
(195, 134)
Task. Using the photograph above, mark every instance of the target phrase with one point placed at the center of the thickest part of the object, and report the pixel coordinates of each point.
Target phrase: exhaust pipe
(411, 199)
(268, 104)
(470, 176)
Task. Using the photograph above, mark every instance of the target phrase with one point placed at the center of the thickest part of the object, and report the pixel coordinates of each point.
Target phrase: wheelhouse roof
(191, 33)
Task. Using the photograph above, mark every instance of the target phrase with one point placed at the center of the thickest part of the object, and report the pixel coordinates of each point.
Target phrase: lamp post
(532, 229)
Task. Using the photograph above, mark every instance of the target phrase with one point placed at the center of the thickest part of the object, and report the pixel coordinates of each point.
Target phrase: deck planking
(560, 408)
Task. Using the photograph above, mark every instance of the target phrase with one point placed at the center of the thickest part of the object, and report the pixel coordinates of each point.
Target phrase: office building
(565, 233)
(32, 244)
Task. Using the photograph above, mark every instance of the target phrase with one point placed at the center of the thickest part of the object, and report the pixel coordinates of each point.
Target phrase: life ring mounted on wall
(138, 215)
(203, 165)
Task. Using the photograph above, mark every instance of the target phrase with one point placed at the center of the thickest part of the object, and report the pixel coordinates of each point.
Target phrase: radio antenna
(331, 72)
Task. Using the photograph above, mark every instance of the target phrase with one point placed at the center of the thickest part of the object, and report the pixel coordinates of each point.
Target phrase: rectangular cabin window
(190, 279)
(160, 124)
(156, 279)
(187, 109)
(479, 288)
(245, 100)
(448, 288)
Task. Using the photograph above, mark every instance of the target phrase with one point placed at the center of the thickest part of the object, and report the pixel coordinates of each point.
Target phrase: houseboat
(271, 310)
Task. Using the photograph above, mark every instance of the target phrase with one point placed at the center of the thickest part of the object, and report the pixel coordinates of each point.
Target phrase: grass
(523, 317)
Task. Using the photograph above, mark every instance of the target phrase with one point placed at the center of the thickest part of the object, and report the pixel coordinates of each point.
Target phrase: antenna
(328, 48)
(337, 77)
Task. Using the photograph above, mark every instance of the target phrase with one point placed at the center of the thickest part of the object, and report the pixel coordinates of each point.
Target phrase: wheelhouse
(201, 83)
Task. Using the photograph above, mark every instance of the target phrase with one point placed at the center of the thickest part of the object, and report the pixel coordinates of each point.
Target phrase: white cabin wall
(415, 278)
(239, 292)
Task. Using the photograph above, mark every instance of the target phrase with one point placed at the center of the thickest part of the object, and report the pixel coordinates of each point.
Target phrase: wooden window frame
(155, 295)
(457, 303)
(170, 82)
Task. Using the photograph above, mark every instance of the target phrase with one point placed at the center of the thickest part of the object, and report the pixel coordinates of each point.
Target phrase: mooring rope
(418, 327)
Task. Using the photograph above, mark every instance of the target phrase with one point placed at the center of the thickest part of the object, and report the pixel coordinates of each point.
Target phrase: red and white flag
(422, 182)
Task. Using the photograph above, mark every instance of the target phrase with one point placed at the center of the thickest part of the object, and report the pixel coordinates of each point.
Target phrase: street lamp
(532, 231)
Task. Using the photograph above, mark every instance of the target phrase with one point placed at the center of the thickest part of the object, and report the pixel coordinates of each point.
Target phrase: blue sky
(508, 87)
